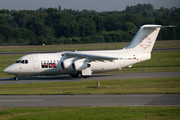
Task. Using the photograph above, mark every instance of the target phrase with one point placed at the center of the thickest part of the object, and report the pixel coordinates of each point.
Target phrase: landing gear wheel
(85, 76)
(75, 76)
(16, 78)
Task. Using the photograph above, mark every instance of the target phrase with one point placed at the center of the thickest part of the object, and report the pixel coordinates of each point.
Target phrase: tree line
(57, 26)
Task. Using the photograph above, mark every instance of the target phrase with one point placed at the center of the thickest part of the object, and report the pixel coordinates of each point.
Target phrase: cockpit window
(18, 61)
(26, 61)
(22, 61)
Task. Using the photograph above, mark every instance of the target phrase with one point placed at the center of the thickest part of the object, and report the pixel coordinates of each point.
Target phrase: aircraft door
(35, 62)
(122, 59)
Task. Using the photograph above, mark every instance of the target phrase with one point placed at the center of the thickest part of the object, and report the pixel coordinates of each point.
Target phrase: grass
(167, 44)
(66, 47)
(97, 46)
(161, 61)
(128, 86)
(91, 113)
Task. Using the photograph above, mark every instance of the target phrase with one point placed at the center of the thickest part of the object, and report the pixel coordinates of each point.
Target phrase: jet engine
(67, 64)
(79, 66)
(76, 65)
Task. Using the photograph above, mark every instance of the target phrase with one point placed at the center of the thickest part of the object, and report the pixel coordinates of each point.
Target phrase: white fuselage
(50, 63)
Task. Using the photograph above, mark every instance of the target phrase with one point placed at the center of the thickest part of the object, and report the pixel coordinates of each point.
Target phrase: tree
(23, 33)
(99, 20)
(163, 20)
(68, 29)
(68, 41)
(134, 18)
(147, 14)
(86, 40)
(21, 19)
(52, 10)
(2, 39)
(48, 21)
(131, 28)
(59, 8)
(3, 11)
(50, 40)
(57, 26)
(110, 23)
(41, 30)
(60, 17)
(76, 40)
(87, 27)
(5, 19)
(61, 40)
(7, 32)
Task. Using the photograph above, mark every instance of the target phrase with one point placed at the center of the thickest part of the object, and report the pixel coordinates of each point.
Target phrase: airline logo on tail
(145, 42)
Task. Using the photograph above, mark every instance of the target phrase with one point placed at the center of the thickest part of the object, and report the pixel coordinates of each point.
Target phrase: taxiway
(89, 100)
(66, 78)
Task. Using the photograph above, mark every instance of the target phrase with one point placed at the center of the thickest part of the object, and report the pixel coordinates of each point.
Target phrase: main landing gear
(16, 78)
(74, 75)
(86, 76)
(77, 75)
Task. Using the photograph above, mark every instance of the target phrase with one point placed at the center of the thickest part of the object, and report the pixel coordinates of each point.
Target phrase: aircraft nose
(12, 69)
(7, 70)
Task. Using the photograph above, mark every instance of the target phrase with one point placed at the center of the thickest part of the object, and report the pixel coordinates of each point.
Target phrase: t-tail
(144, 39)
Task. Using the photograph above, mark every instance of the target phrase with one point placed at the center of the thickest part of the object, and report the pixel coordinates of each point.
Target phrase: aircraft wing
(91, 57)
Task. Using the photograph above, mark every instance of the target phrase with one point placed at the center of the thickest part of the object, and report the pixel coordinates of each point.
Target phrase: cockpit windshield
(22, 61)
(18, 61)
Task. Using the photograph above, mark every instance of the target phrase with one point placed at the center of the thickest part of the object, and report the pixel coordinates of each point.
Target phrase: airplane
(85, 63)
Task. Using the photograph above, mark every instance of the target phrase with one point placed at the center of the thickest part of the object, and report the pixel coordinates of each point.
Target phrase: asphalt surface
(89, 100)
(10, 80)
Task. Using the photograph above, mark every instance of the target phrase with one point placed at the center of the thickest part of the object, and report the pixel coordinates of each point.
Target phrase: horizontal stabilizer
(158, 26)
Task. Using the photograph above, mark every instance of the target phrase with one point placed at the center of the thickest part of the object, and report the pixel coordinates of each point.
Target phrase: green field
(97, 46)
(91, 113)
(127, 86)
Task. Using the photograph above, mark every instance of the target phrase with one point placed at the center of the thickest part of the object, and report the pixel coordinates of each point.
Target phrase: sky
(97, 5)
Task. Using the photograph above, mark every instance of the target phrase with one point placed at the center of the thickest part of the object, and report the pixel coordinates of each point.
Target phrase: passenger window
(51, 61)
(22, 61)
(26, 61)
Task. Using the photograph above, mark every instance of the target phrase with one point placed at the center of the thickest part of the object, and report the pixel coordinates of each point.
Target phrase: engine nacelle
(79, 66)
(67, 65)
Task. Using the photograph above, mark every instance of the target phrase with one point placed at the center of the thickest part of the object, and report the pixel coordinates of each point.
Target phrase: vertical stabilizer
(144, 39)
